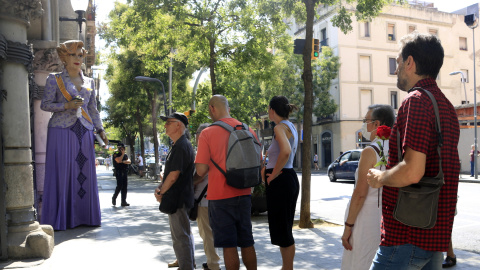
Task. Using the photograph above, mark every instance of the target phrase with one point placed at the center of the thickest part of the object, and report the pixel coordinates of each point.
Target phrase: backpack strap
(228, 128)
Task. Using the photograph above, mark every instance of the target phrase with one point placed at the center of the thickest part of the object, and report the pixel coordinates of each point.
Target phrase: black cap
(178, 116)
(120, 145)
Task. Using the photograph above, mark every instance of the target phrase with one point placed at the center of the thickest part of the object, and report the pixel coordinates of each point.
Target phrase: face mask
(366, 134)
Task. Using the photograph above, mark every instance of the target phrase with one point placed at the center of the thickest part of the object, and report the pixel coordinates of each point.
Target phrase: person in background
(229, 208)
(204, 228)
(281, 180)
(70, 195)
(315, 161)
(472, 160)
(140, 165)
(107, 163)
(120, 163)
(406, 247)
(178, 176)
(364, 208)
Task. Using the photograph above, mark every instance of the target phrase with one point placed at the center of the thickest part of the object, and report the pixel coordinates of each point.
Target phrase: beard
(401, 84)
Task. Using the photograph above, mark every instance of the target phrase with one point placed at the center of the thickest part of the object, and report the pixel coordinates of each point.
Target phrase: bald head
(218, 107)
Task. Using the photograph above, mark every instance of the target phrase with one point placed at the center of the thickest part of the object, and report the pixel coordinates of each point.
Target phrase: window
(355, 156)
(367, 29)
(394, 99)
(463, 43)
(323, 36)
(392, 65)
(411, 28)
(364, 29)
(391, 32)
(465, 74)
(364, 68)
(365, 101)
(433, 32)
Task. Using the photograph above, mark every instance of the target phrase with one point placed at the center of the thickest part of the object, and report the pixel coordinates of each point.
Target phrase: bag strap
(437, 128)
(375, 148)
(68, 97)
(201, 194)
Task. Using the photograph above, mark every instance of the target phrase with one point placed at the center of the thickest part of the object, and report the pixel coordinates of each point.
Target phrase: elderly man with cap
(120, 163)
(178, 176)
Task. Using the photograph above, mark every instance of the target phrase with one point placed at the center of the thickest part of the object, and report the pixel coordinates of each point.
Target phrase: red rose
(383, 132)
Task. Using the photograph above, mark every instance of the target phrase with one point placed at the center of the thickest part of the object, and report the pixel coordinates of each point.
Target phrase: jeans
(471, 168)
(406, 257)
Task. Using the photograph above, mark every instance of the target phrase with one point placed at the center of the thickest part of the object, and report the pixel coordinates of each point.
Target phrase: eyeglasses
(368, 120)
(76, 55)
(169, 122)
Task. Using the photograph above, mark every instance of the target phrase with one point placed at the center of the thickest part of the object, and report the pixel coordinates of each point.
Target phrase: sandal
(173, 264)
(449, 262)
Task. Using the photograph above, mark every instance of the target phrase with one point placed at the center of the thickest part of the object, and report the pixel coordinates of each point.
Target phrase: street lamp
(463, 80)
(155, 143)
(472, 22)
(80, 6)
(148, 79)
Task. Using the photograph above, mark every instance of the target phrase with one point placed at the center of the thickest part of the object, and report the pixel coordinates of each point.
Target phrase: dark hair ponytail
(281, 106)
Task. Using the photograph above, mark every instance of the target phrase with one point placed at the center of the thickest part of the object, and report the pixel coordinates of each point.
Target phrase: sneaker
(205, 266)
(114, 201)
(125, 204)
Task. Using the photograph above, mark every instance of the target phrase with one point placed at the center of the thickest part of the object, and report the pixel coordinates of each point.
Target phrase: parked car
(344, 166)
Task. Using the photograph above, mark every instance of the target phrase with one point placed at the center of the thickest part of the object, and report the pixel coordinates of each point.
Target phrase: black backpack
(243, 157)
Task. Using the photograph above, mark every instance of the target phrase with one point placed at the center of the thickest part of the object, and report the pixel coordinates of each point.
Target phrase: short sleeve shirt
(119, 166)
(416, 124)
(212, 144)
(180, 158)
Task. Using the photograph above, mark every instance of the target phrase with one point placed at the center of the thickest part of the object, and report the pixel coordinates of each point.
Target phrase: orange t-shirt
(213, 143)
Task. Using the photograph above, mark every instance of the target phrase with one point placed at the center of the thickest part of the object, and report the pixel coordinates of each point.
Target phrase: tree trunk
(213, 60)
(305, 221)
(140, 131)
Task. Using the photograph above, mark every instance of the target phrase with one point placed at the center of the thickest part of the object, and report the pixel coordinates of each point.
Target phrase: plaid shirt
(416, 124)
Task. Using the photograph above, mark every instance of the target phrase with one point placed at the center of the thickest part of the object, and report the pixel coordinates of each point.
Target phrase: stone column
(26, 238)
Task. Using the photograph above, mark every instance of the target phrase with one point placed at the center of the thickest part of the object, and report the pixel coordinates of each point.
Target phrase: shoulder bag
(417, 204)
(193, 212)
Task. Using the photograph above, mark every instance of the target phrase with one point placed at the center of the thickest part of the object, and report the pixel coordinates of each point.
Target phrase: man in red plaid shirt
(405, 247)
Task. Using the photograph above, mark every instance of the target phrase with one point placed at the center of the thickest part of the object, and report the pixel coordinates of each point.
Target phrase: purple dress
(70, 195)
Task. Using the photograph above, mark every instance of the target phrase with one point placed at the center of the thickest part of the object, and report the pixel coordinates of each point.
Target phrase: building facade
(368, 62)
(30, 30)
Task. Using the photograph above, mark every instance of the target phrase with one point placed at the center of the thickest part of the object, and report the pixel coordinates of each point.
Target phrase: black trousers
(282, 195)
(122, 183)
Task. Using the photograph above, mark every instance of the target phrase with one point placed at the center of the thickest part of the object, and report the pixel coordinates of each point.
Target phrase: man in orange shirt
(229, 208)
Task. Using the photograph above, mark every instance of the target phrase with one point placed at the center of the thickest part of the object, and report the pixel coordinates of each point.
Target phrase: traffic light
(299, 44)
(359, 137)
(315, 48)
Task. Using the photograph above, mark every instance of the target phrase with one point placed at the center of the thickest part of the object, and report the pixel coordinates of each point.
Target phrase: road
(329, 200)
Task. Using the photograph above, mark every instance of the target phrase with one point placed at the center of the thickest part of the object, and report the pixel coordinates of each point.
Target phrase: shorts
(230, 222)
(140, 168)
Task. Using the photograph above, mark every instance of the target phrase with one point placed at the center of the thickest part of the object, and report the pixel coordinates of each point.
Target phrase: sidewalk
(138, 237)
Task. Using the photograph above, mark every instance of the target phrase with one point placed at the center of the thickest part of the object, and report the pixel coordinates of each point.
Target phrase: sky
(451, 5)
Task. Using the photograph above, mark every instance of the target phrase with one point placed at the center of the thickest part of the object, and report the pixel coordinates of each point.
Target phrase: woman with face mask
(361, 235)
